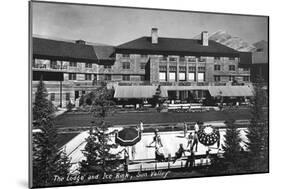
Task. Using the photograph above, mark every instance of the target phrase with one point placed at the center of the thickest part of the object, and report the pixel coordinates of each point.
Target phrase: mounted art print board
(122, 94)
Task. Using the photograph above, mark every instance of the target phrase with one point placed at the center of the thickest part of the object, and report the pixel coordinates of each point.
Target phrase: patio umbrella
(208, 135)
(128, 137)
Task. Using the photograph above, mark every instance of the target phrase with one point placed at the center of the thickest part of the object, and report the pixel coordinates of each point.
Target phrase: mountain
(233, 42)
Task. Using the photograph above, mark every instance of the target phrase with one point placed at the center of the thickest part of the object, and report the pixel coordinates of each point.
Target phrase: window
(192, 68)
(246, 69)
(126, 77)
(142, 66)
(217, 78)
(83, 92)
(231, 58)
(52, 98)
(172, 59)
(53, 64)
(71, 76)
(126, 65)
(163, 68)
(95, 77)
(231, 67)
(217, 58)
(143, 56)
(73, 64)
(172, 76)
(125, 55)
(231, 78)
(191, 59)
(173, 68)
(182, 68)
(191, 76)
(182, 58)
(217, 67)
(67, 96)
(182, 76)
(201, 76)
(201, 59)
(88, 65)
(162, 76)
(201, 69)
(142, 78)
(163, 58)
(88, 77)
(107, 66)
(246, 78)
(107, 77)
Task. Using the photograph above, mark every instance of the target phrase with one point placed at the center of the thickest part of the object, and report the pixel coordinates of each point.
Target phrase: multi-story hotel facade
(178, 66)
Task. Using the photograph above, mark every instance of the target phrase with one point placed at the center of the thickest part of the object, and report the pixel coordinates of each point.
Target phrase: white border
(14, 93)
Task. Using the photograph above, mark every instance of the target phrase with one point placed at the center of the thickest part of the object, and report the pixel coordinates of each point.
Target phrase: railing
(53, 67)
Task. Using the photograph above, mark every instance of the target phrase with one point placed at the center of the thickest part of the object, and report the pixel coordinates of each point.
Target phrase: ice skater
(179, 153)
(156, 139)
(184, 129)
(141, 126)
(195, 142)
(159, 154)
(190, 138)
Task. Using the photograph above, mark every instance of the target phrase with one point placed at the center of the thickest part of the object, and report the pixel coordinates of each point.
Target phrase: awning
(230, 91)
(142, 91)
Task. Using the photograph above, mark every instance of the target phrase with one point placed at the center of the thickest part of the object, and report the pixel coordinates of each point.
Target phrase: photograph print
(120, 94)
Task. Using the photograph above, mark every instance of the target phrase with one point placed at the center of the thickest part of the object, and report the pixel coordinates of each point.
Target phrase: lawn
(80, 120)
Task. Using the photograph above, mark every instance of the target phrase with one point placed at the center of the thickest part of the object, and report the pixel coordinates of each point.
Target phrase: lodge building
(136, 68)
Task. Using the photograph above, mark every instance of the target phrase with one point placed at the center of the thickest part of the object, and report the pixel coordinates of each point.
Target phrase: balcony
(49, 68)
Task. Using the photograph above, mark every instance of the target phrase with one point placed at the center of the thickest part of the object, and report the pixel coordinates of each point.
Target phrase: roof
(176, 46)
(230, 91)
(260, 56)
(245, 59)
(135, 91)
(61, 50)
(104, 53)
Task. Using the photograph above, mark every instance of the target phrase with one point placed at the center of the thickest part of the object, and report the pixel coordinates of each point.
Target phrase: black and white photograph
(121, 94)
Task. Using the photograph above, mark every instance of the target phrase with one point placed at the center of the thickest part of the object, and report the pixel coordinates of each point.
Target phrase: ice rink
(170, 140)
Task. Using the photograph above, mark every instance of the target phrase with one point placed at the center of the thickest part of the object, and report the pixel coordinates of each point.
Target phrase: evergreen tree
(99, 160)
(46, 155)
(258, 131)
(233, 158)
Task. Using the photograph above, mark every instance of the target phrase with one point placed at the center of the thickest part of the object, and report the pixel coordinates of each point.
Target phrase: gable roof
(61, 50)
(176, 46)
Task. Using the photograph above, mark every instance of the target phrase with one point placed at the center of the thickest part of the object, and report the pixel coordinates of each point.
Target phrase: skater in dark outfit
(179, 153)
(195, 141)
(190, 160)
(159, 155)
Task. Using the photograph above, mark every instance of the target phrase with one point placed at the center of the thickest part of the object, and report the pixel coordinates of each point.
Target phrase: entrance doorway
(76, 94)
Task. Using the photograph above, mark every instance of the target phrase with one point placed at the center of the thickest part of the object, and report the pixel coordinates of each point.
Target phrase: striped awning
(230, 91)
(142, 91)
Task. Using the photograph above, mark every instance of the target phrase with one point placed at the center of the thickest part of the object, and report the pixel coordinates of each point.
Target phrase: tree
(233, 157)
(258, 131)
(46, 155)
(99, 159)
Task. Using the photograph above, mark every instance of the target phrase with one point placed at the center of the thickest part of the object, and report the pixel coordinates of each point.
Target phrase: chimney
(205, 38)
(80, 41)
(154, 35)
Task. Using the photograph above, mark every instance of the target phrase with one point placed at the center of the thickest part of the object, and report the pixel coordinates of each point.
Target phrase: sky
(114, 26)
